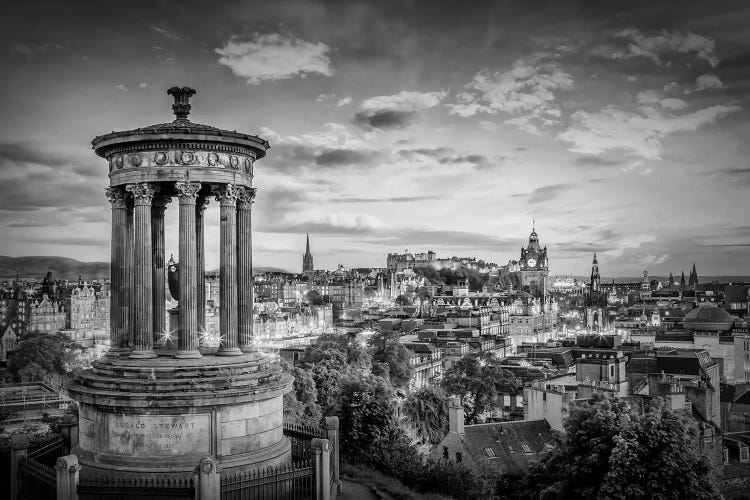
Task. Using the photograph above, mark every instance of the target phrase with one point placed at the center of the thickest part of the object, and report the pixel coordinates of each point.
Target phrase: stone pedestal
(164, 415)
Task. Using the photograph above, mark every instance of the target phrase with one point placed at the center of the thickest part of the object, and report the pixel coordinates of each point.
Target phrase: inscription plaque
(158, 435)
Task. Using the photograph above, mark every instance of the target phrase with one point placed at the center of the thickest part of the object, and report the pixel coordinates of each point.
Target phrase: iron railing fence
(37, 481)
(300, 437)
(136, 488)
(294, 481)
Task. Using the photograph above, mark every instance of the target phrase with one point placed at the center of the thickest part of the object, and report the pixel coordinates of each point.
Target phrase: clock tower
(534, 266)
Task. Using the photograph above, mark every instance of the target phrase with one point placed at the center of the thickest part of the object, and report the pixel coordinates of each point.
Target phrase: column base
(248, 348)
(192, 354)
(144, 354)
(231, 351)
(116, 352)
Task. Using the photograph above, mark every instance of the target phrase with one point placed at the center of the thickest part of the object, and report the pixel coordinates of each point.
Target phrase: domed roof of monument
(180, 128)
(708, 317)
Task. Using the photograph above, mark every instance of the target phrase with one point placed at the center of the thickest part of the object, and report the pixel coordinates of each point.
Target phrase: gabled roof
(512, 444)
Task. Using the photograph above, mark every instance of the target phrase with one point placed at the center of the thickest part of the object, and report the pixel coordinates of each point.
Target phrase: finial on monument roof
(181, 106)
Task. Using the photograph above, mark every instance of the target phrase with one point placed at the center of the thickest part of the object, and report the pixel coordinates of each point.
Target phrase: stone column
(187, 341)
(19, 444)
(320, 456)
(160, 269)
(118, 320)
(245, 268)
(128, 294)
(67, 477)
(226, 195)
(332, 433)
(208, 485)
(200, 208)
(143, 327)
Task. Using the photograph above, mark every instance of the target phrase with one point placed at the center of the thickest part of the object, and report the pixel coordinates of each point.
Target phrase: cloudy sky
(621, 127)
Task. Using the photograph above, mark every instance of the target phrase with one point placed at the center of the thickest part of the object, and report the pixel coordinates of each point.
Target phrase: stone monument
(146, 408)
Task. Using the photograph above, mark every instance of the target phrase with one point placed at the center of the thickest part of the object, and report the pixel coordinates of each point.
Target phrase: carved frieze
(182, 158)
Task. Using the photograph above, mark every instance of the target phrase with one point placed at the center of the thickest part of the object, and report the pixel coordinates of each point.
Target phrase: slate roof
(513, 444)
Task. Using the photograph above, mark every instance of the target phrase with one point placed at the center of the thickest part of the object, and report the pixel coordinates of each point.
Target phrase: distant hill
(65, 268)
(701, 279)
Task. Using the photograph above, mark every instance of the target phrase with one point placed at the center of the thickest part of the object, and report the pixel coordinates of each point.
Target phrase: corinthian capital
(245, 198)
(143, 192)
(187, 192)
(160, 203)
(117, 196)
(202, 204)
(226, 194)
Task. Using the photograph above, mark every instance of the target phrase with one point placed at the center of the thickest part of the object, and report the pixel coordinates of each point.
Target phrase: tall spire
(693, 280)
(307, 259)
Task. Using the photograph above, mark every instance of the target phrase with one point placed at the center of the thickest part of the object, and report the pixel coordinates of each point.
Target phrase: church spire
(307, 259)
(693, 280)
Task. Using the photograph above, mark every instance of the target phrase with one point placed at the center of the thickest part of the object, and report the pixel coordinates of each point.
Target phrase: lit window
(490, 452)
(744, 455)
(510, 449)
(526, 448)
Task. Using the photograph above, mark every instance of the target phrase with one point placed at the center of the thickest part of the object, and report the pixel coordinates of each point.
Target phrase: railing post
(67, 477)
(320, 451)
(19, 447)
(332, 433)
(208, 486)
(69, 430)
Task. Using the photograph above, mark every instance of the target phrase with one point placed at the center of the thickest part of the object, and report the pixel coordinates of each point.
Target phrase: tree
(426, 410)
(610, 451)
(478, 380)
(366, 410)
(32, 372)
(394, 354)
(314, 298)
(46, 350)
(402, 300)
(659, 457)
(301, 403)
(331, 358)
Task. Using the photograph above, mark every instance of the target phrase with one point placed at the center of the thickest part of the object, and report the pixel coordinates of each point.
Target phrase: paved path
(351, 490)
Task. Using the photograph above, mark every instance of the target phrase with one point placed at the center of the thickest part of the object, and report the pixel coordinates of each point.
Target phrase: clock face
(531, 262)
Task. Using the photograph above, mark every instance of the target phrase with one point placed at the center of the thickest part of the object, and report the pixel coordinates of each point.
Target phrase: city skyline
(401, 126)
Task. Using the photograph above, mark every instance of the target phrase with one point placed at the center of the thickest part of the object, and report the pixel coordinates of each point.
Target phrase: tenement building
(158, 404)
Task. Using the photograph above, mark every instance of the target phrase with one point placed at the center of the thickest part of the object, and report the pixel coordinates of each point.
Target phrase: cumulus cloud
(121, 87)
(651, 97)
(274, 56)
(395, 111)
(344, 101)
(638, 133)
(708, 81)
(666, 42)
(527, 93)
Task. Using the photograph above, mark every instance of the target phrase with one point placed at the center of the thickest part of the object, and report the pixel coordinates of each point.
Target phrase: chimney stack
(455, 416)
